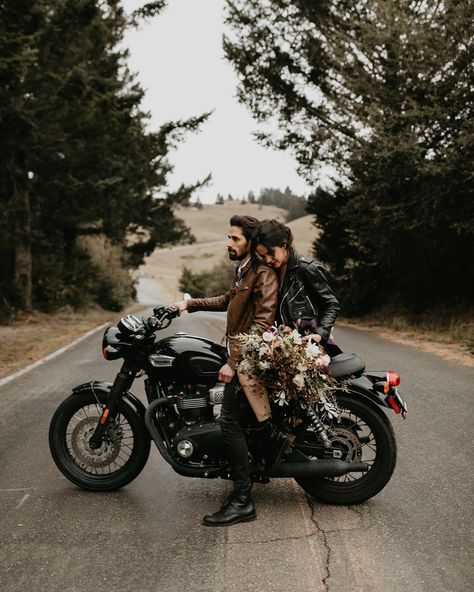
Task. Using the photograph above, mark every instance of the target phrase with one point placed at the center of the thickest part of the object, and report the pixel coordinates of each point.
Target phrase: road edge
(51, 356)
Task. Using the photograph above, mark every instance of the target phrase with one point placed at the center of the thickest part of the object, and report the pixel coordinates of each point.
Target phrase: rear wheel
(122, 455)
(363, 434)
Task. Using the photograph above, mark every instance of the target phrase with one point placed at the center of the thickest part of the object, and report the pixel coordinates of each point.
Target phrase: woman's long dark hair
(270, 234)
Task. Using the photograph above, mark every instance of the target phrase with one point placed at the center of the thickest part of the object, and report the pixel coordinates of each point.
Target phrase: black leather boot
(238, 507)
(275, 442)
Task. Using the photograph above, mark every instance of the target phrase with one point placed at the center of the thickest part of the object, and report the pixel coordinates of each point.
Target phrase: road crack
(275, 540)
(324, 536)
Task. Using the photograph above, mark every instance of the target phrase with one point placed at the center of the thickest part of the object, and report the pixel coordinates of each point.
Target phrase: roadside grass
(448, 332)
(31, 336)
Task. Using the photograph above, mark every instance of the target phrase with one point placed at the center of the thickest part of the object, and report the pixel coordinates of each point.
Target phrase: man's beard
(233, 256)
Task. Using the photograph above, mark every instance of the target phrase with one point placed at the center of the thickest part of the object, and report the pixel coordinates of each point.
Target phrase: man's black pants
(235, 444)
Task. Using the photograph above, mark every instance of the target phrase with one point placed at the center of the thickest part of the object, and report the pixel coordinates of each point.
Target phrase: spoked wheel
(122, 455)
(362, 434)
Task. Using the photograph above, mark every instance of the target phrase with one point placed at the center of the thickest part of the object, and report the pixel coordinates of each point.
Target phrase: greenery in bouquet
(291, 367)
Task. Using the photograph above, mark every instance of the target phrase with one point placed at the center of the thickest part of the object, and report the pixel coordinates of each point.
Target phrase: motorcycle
(100, 436)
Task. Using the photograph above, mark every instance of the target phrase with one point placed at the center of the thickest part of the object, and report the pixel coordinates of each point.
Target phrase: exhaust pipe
(326, 467)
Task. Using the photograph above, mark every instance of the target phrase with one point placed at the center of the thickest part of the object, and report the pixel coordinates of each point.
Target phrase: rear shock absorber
(319, 427)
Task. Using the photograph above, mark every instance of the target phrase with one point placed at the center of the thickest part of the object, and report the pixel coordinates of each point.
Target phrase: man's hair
(247, 223)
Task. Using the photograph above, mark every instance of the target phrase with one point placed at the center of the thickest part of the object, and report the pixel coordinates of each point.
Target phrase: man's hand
(313, 337)
(181, 305)
(226, 374)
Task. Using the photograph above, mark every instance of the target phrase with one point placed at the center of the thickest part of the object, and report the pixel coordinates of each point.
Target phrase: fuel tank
(187, 359)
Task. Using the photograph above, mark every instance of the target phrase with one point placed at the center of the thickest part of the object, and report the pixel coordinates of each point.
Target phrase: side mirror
(187, 296)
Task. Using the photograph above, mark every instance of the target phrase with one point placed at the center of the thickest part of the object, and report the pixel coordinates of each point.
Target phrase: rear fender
(363, 387)
(97, 387)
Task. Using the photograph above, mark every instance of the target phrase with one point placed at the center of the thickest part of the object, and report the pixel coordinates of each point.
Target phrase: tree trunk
(22, 273)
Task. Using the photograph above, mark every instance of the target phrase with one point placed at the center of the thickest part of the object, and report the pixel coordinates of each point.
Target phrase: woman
(306, 302)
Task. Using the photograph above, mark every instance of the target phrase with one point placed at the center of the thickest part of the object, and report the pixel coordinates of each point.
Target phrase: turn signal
(393, 378)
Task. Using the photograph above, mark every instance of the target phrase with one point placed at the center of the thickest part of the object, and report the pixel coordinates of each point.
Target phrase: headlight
(129, 325)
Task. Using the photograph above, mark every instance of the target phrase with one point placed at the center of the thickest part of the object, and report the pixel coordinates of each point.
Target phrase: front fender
(363, 387)
(99, 387)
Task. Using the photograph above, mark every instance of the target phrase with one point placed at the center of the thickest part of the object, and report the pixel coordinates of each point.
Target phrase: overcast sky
(180, 63)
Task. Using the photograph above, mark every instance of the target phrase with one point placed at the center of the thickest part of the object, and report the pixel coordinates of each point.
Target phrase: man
(250, 301)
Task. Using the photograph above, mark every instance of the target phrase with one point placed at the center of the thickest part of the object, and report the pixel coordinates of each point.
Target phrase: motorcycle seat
(346, 365)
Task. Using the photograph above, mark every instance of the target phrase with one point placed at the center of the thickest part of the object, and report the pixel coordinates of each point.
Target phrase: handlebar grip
(173, 312)
(162, 317)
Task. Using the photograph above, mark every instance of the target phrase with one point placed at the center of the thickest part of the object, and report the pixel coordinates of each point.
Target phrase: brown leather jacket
(250, 301)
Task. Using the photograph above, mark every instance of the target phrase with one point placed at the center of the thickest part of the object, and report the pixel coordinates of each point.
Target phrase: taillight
(104, 353)
(394, 404)
(393, 378)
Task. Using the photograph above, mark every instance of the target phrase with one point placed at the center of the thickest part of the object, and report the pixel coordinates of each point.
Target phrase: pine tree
(382, 92)
(76, 156)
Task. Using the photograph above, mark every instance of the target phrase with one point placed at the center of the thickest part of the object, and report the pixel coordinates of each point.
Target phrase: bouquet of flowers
(291, 367)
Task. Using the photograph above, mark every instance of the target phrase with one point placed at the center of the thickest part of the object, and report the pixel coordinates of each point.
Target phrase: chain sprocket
(348, 442)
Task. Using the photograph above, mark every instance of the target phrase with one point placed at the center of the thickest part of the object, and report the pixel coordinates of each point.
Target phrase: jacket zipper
(281, 304)
(286, 294)
(291, 299)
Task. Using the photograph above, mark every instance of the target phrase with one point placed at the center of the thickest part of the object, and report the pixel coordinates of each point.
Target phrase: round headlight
(129, 325)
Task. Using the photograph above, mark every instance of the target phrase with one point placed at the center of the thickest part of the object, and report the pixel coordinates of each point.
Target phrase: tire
(373, 442)
(120, 459)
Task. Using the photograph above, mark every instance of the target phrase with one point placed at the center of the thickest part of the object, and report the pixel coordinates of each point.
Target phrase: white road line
(50, 356)
(23, 500)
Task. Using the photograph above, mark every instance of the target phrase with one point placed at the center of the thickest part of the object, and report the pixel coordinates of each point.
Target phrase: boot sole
(250, 518)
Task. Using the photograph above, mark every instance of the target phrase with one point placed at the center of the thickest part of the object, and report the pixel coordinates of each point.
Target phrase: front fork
(123, 381)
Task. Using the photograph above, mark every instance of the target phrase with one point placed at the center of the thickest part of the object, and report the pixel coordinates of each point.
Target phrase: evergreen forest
(380, 93)
(77, 159)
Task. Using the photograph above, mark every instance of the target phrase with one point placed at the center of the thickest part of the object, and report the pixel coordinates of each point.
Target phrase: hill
(304, 234)
(159, 276)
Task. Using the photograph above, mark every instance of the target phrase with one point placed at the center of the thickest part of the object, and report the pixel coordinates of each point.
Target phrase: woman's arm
(321, 295)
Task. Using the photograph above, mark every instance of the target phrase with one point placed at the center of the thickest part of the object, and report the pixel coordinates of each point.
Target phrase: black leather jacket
(305, 295)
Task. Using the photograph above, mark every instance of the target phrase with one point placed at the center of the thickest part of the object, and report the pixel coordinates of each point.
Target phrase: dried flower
(291, 368)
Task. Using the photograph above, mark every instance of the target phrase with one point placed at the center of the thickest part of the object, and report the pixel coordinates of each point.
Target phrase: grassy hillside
(304, 234)
(160, 275)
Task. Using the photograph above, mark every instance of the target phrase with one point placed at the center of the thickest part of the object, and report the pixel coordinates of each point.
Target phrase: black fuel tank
(188, 359)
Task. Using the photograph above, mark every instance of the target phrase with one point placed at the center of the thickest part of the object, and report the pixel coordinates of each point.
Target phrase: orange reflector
(104, 416)
(393, 404)
(386, 388)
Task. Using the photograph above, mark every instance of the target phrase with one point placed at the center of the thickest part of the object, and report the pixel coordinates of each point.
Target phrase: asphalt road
(414, 536)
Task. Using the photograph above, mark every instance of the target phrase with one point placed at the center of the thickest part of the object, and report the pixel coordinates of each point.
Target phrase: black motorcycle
(100, 435)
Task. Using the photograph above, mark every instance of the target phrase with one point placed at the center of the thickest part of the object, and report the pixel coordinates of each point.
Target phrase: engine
(199, 440)
(196, 402)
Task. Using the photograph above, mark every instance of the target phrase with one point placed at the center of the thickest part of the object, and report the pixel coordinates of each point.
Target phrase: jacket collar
(293, 259)
(245, 267)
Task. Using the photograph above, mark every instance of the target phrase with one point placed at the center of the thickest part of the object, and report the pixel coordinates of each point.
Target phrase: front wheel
(362, 434)
(122, 455)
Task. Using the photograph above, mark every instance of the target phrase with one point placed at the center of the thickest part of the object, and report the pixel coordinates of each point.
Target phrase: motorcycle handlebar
(161, 318)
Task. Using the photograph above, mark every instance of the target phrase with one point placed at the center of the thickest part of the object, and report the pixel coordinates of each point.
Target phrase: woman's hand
(313, 337)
